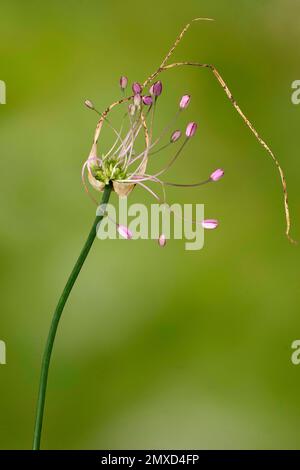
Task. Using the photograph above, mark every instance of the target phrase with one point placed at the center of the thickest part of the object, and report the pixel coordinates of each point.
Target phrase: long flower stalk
(115, 170)
(55, 321)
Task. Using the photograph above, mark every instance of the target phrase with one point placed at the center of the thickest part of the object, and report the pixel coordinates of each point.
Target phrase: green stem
(55, 321)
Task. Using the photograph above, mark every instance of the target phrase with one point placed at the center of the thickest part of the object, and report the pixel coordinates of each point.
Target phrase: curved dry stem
(251, 127)
(176, 43)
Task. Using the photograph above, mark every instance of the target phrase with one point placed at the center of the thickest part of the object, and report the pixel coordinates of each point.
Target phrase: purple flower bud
(156, 88)
(137, 100)
(210, 224)
(124, 232)
(162, 241)
(89, 104)
(136, 88)
(217, 174)
(147, 100)
(191, 129)
(185, 101)
(123, 82)
(175, 136)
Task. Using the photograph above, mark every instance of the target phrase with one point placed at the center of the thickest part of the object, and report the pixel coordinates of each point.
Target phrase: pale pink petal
(162, 240)
(210, 224)
(124, 232)
(217, 174)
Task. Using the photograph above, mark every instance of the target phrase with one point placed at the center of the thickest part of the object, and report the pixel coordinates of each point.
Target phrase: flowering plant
(122, 168)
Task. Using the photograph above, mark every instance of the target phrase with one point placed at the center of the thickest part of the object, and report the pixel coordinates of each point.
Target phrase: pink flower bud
(124, 232)
(185, 101)
(123, 82)
(137, 100)
(210, 224)
(191, 129)
(157, 88)
(136, 88)
(217, 174)
(162, 241)
(89, 104)
(175, 136)
(147, 100)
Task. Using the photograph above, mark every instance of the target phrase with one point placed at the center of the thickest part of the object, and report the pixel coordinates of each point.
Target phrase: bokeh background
(157, 348)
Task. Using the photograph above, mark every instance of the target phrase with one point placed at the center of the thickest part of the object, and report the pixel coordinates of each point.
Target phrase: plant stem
(55, 321)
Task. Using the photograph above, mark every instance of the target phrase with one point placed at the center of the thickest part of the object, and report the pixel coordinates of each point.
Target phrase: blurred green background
(156, 348)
